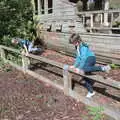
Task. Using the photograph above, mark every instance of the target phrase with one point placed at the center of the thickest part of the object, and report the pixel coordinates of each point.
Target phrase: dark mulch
(25, 98)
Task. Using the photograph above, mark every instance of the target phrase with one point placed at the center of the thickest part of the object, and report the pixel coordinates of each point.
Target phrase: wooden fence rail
(97, 78)
(67, 78)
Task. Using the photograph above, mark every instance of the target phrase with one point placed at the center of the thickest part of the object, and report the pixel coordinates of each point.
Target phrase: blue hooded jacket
(83, 52)
(23, 42)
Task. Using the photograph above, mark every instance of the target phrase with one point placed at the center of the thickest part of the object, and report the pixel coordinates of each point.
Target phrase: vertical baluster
(101, 18)
(39, 7)
(91, 20)
(111, 20)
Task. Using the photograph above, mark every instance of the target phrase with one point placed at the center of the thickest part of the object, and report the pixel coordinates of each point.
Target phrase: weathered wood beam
(106, 7)
(10, 49)
(99, 11)
(97, 78)
(67, 78)
(35, 75)
(46, 6)
(2, 53)
(47, 61)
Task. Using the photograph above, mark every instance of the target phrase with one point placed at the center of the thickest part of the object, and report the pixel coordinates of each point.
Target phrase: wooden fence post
(2, 53)
(67, 81)
(25, 63)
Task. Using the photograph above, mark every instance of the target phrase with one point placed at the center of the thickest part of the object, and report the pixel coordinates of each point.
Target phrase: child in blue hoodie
(85, 61)
(28, 46)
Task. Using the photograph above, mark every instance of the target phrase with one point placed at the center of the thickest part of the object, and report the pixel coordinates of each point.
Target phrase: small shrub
(114, 66)
(96, 112)
(4, 66)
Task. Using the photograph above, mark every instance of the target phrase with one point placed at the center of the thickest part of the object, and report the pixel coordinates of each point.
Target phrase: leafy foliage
(96, 112)
(16, 20)
(114, 66)
(4, 67)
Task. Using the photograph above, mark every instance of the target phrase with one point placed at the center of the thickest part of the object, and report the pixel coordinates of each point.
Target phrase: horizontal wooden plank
(10, 49)
(35, 75)
(48, 61)
(99, 11)
(97, 78)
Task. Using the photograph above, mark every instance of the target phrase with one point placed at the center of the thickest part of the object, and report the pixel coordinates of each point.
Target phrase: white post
(83, 19)
(101, 19)
(46, 6)
(39, 7)
(111, 19)
(54, 4)
(106, 7)
(91, 21)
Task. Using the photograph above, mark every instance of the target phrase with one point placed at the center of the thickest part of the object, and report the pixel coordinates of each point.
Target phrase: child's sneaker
(89, 95)
(106, 68)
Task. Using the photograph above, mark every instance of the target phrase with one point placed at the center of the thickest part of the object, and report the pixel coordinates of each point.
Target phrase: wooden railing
(105, 22)
(67, 76)
(96, 78)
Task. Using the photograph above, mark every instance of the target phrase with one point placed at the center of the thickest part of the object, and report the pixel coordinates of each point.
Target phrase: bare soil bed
(22, 97)
(25, 98)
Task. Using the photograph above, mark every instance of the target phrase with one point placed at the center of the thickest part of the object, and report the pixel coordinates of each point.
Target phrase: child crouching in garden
(85, 61)
(27, 46)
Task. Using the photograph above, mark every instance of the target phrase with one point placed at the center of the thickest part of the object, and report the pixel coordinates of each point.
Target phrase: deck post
(46, 7)
(106, 7)
(39, 7)
(91, 21)
(67, 81)
(101, 18)
(111, 20)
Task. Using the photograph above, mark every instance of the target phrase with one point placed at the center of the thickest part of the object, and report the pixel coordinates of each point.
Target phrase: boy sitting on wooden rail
(85, 61)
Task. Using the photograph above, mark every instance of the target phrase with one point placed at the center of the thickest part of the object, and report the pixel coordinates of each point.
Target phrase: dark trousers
(88, 68)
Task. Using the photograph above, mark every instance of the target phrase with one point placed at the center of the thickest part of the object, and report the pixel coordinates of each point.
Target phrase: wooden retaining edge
(67, 81)
(107, 110)
(97, 78)
(35, 75)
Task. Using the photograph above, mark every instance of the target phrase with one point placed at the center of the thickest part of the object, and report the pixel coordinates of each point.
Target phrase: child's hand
(23, 52)
(72, 67)
(26, 53)
(77, 70)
